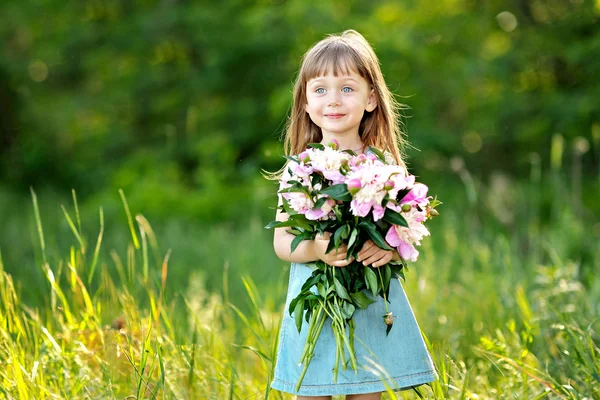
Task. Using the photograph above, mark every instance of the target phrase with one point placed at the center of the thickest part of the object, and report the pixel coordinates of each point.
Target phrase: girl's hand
(337, 258)
(372, 254)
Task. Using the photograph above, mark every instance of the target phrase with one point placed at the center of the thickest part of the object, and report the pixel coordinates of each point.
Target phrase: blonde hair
(342, 53)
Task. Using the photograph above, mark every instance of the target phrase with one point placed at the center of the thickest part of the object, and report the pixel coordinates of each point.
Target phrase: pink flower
(299, 201)
(318, 213)
(303, 170)
(405, 238)
(378, 212)
(329, 162)
(360, 209)
(417, 195)
(407, 251)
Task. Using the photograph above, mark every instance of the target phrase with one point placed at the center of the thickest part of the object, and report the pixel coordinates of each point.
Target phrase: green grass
(505, 291)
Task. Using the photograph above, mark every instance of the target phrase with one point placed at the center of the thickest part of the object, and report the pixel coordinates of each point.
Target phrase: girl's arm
(308, 250)
(282, 242)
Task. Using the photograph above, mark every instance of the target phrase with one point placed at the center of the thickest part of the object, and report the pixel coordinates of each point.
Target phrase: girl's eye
(349, 89)
(320, 91)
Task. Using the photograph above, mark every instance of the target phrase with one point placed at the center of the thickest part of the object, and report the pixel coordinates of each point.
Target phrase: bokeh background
(180, 104)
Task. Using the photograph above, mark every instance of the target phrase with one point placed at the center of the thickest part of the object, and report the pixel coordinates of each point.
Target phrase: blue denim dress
(398, 361)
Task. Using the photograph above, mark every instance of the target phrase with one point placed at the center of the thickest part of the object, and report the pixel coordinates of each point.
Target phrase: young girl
(340, 94)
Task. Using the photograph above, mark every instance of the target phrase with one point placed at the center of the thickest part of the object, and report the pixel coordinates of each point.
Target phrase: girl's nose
(333, 101)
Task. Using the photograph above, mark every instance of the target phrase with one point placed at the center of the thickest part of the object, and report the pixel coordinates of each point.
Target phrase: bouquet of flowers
(355, 198)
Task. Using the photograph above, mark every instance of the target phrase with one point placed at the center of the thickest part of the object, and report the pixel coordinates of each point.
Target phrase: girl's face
(336, 104)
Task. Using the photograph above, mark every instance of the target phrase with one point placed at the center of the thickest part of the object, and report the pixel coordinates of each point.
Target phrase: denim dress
(397, 361)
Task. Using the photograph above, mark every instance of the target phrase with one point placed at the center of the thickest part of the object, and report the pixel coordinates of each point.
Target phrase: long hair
(342, 53)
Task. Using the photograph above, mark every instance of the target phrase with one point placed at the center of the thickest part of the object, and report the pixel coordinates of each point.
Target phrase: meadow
(505, 292)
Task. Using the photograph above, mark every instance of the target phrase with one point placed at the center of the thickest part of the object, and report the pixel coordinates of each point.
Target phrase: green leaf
(320, 202)
(345, 276)
(346, 232)
(353, 237)
(387, 276)
(378, 153)
(394, 217)
(341, 290)
(371, 280)
(331, 244)
(401, 274)
(302, 222)
(281, 224)
(374, 235)
(316, 146)
(293, 304)
(298, 239)
(361, 300)
(401, 194)
(295, 188)
(292, 158)
(298, 311)
(338, 192)
(310, 282)
(337, 236)
(347, 310)
(321, 290)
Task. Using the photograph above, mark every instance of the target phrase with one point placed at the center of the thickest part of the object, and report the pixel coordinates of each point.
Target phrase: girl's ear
(372, 102)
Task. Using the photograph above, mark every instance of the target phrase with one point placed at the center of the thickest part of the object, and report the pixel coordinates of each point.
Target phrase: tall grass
(505, 292)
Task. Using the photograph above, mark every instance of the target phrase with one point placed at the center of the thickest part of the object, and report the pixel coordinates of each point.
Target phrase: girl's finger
(342, 263)
(367, 246)
(388, 257)
(375, 257)
(365, 254)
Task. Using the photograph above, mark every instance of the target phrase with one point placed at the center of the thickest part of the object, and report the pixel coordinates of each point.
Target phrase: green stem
(337, 357)
(311, 331)
(352, 327)
(309, 355)
(340, 323)
(351, 352)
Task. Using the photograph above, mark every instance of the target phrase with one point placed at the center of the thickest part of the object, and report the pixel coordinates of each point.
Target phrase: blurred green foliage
(180, 103)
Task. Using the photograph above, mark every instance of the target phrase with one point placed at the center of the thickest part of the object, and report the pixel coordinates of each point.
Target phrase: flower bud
(304, 157)
(406, 207)
(433, 212)
(354, 185)
(334, 144)
(360, 159)
(388, 318)
(389, 185)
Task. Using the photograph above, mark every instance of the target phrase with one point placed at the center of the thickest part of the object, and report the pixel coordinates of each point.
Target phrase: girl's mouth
(334, 116)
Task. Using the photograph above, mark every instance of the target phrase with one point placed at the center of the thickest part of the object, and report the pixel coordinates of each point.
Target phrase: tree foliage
(176, 98)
